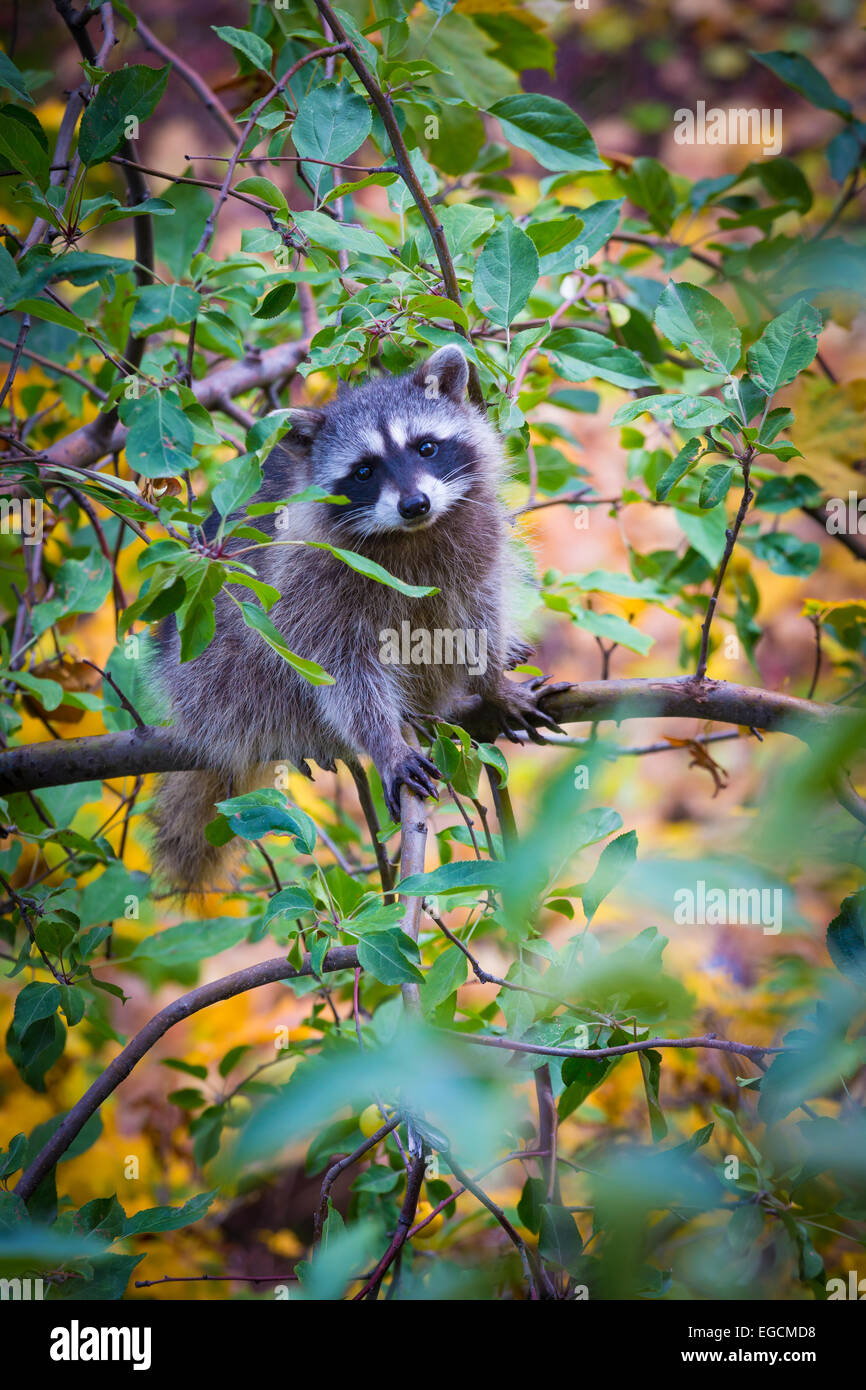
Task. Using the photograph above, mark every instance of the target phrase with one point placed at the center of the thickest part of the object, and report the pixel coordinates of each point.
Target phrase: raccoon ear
(446, 373)
(305, 424)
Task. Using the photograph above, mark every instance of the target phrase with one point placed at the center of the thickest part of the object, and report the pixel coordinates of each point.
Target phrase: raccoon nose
(416, 505)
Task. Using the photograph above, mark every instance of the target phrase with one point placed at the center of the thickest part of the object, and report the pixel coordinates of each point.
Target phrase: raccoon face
(403, 450)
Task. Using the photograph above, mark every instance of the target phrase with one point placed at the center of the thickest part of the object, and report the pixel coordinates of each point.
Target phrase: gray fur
(251, 707)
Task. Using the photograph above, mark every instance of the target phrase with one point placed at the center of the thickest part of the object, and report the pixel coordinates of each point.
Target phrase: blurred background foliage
(644, 1204)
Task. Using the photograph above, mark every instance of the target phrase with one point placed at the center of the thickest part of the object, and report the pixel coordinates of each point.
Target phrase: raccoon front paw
(519, 708)
(415, 772)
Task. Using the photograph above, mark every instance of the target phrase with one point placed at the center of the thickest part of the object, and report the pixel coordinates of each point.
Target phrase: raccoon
(420, 467)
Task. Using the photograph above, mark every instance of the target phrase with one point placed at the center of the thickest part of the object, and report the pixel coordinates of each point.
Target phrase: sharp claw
(421, 789)
(549, 723)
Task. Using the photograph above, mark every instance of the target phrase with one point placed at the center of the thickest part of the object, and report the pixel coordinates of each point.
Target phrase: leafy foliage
(405, 225)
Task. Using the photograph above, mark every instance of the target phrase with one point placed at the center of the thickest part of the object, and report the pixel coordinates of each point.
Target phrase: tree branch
(159, 749)
(211, 101)
(253, 977)
(752, 1051)
(85, 446)
(407, 174)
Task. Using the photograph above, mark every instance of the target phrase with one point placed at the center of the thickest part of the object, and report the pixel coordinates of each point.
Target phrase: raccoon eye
(428, 448)
(363, 471)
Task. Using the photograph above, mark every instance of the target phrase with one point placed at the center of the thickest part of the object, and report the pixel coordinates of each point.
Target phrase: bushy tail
(183, 856)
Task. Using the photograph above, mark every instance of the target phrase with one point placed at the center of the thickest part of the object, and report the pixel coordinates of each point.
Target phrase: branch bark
(154, 749)
(253, 977)
(85, 446)
(428, 212)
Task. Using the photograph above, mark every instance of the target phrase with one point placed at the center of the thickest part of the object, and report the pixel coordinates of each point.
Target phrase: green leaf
(787, 345)
(715, 485)
(649, 185)
(158, 1219)
(276, 302)
(599, 223)
(582, 1075)
(454, 878)
(10, 77)
(614, 628)
(322, 231)
(247, 43)
(691, 317)
(613, 864)
(386, 955)
(577, 354)
(187, 1098)
(36, 1001)
(160, 439)
(80, 586)
(691, 414)
(195, 1069)
(447, 974)
(164, 306)
(332, 122)
(705, 531)
(12, 1159)
(265, 811)
(846, 938)
(494, 757)
(377, 1179)
(785, 182)
(21, 149)
(289, 902)
(192, 941)
(505, 274)
(787, 554)
(242, 479)
(651, 1067)
(681, 465)
(558, 1237)
(258, 619)
(177, 237)
(549, 130)
(9, 275)
(131, 92)
(50, 693)
(801, 74)
(196, 618)
(372, 570)
(232, 1057)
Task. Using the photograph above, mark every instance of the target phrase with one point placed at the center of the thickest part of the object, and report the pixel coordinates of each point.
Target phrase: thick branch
(413, 842)
(211, 101)
(138, 192)
(404, 164)
(84, 446)
(254, 976)
(149, 749)
(753, 1051)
